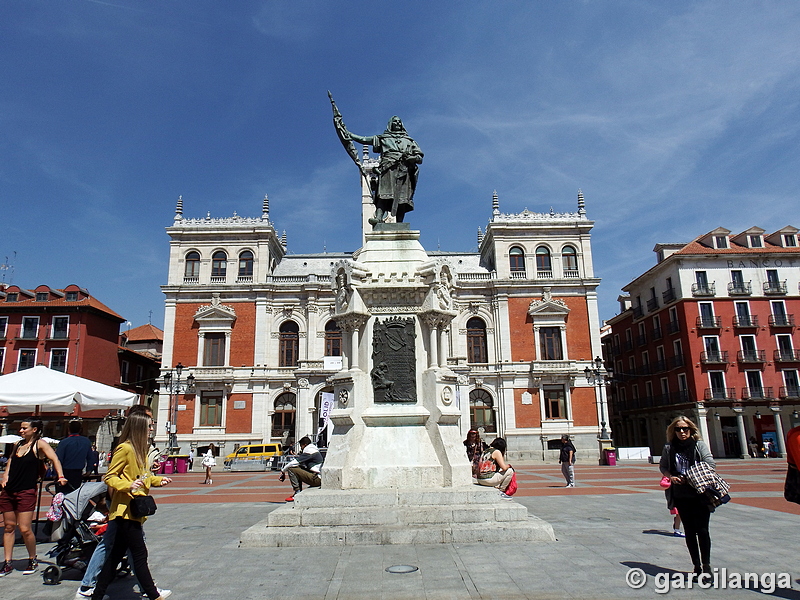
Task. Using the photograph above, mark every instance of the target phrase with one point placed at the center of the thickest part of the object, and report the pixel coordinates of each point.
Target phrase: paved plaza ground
(615, 520)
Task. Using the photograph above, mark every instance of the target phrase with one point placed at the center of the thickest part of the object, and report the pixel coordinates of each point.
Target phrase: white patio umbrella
(9, 439)
(51, 390)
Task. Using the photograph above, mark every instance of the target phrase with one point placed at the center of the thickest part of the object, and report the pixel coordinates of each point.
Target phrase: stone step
(324, 498)
(532, 529)
(500, 511)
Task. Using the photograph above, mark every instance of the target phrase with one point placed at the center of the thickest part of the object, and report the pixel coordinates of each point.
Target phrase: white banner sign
(326, 406)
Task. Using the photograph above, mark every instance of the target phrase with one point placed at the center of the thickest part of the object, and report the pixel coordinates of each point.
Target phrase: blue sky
(672, 117)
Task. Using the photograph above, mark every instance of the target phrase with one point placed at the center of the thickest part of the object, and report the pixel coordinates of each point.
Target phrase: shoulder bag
(703, 478)
(143, 506)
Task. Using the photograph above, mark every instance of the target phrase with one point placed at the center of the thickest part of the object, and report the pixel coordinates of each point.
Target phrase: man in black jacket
(304, 468)
(567, 460)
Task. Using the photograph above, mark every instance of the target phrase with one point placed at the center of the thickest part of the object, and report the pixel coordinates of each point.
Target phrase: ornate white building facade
(254, 326)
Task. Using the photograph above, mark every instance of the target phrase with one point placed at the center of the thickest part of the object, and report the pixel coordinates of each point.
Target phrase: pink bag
(512, 487)
(665, 482)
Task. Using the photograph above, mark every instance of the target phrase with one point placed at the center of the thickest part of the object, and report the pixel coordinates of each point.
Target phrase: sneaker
(84, 592)
(33, 566)
(570, 485)
(505, 496)
(677, 533)
(6, 569)
(163, 594)
(289, 499)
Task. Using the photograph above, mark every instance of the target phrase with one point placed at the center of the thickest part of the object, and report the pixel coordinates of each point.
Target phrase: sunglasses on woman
(686, 429)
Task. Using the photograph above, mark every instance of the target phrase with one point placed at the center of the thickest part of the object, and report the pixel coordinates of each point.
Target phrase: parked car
(253, 452)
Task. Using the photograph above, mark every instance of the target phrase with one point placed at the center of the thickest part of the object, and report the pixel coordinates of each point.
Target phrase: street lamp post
(174, 387)
(599, 376)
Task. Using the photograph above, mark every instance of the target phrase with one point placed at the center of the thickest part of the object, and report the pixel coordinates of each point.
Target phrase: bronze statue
(393, 192)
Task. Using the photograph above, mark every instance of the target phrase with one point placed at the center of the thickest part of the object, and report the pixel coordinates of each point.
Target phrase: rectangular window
(754, 384)
(3, 326)
(701, 278)
(664, 387)
(214, 350)
(717, 381)
(721, 241)
(210, 409)
(27, 359)
(789, 240)
(60, 328)
(2, 356)
(30, 328)
(58, 360)
(682, 386)
(42, 296)
(124, 371)
(72, 297)
(139, 375)
(555, 402)
(550, 343)
(792, 383)
(755, 241)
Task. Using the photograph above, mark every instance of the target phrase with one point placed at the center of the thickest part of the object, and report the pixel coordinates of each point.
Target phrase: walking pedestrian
(567, 459)
(209, 462)
(129, 475)
(18, 497)
(683, 449)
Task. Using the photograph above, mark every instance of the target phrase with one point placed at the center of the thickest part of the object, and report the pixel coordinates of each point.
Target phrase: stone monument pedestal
(396, 471)
(397, 516)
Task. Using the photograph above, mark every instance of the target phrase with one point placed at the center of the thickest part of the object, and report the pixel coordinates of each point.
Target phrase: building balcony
(519, 275)
(658, 333)
(669, 295)
(745, 321)
(680, 397)
(659, 366)
(757, 393)
(708, 289)
(784, 356)
(751, 356)
(644, 370)
(244, 279)
(789, 393)
(58, 337)
(638, 312)
(641, 340)
(781, 320)
(674, 326)
(775, 288)
(676, 361)
(714, 358)
(218, 279)
(652, 304)
(720, 394)
(544, 274)
(628, 345)
(571, 274)
(191, 280)
(740, 288)
(709, 322)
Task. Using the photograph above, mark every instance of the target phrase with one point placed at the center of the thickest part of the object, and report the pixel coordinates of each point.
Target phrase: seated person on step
(304, 468)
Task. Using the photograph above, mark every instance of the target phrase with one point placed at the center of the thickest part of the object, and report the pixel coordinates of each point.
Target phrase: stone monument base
(397, 516)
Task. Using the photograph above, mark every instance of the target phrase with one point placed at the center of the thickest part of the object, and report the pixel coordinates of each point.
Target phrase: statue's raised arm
(398, 168)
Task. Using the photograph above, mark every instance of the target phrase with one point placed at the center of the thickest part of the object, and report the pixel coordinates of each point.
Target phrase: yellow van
(253, 452)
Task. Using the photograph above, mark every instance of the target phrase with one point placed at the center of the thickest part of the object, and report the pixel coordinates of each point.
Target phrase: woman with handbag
(18, 498)
(129, 480)
(683, 449)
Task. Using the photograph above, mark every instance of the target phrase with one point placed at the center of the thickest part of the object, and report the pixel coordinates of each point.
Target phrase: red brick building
(710, 332)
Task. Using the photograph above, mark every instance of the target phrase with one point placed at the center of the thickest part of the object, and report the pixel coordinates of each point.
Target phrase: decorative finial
(208, 215)
(265, 209)
(552, 212)
(581, 203)
(283, 239)
(495, 203)
(480, 235)
(179, 209)
(364, 152)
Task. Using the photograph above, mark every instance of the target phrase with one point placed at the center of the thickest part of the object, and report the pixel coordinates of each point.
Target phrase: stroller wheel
(52, 575)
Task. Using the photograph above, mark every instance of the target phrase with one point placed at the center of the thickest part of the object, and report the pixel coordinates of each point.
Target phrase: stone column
(742, 435)
(781, 441)
(702, 412)
(433, 348)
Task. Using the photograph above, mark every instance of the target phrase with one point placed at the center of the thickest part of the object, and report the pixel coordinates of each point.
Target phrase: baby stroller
(75, 539)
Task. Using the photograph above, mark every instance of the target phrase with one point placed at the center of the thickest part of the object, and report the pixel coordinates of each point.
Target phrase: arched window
(333, 339)
(289, 344)
(191, 270)
(219, 266)
(481, 413)
(516, 260)
(569, 261)
(544, 267)
(476, 341)
(246, 266)
(283, 417)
